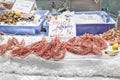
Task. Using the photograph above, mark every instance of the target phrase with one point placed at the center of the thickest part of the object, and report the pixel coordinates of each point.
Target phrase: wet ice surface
(71, 66)
(4, 76)
(57, 69)
(85, 19)
(82, 18)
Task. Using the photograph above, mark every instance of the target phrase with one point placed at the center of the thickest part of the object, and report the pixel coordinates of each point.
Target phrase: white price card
(62, 27)
(9, 0)
(24, 6)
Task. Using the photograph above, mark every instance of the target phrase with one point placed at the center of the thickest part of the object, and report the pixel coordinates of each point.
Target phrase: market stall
(75, 45)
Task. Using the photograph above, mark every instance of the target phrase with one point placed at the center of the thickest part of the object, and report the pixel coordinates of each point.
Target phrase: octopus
(3, 49)
(15, 43)
(21, 52)
(112, 36)
(56, 48)
(88, 43)
(11, 44)
(18, 48)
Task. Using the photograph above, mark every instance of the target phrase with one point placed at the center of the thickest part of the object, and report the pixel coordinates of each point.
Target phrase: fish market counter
(92, 54)
(72, 66)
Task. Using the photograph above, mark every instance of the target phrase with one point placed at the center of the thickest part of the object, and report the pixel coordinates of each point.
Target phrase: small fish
(112, 53)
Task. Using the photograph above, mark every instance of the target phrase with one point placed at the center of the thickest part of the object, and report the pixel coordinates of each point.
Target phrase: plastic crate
(25, 30)
(95, 28)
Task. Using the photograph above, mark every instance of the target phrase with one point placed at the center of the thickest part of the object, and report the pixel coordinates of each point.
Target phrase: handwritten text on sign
(62, 27)
(24, 6)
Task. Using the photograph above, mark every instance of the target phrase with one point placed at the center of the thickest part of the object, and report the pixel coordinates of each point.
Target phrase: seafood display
(12, 17)
(112, 36)
(112, 53)
(11, 44)
(88, 43)
(56, 48)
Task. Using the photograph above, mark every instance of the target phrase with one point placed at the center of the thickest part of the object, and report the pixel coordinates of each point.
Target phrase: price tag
(9, 0)
(24, 6)
(62, 27)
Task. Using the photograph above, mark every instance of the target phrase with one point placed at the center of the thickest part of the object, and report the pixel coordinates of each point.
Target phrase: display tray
(25, 29)
(92, 28)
